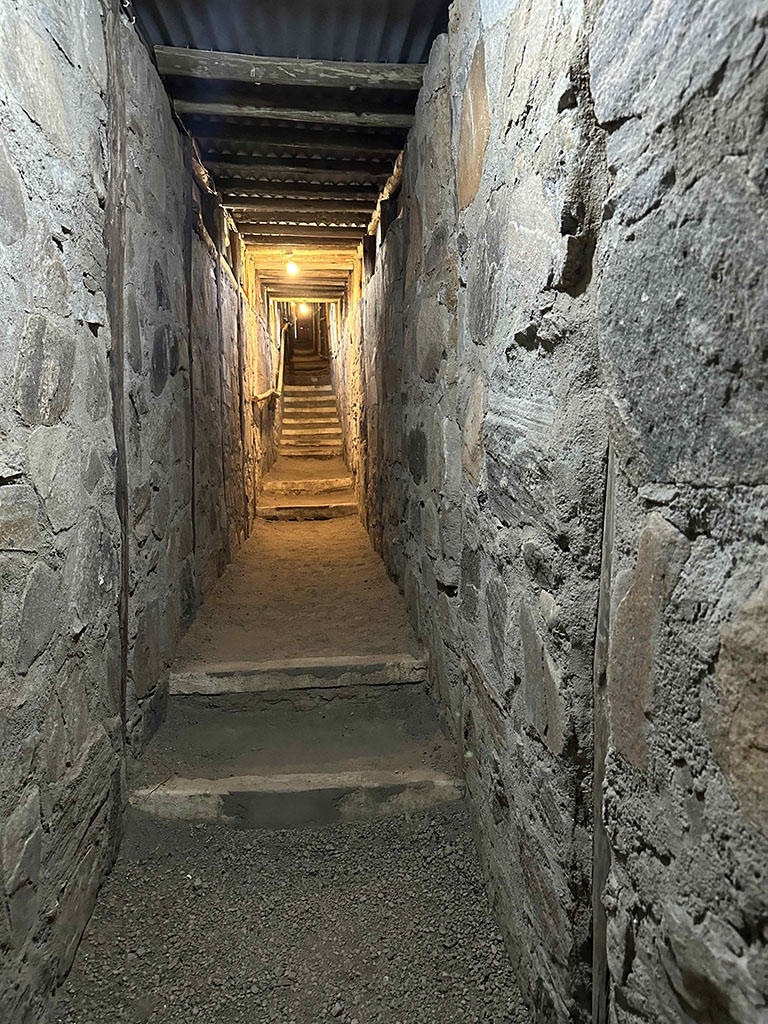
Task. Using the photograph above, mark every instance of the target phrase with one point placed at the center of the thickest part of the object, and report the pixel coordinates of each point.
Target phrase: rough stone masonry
(126, 477)
(554, 394)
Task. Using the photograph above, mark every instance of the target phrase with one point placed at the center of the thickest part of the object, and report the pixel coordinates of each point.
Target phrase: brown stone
(13, 217)
(740, 734)
(661, 553)
(474, 130)
(542, 694)
(44, 371)
(472, 452)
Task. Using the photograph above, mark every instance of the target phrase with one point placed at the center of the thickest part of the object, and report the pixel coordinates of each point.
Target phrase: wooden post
(369, 257)
(388, 209)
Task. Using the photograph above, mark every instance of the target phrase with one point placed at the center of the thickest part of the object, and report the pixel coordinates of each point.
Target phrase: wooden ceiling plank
(291, 240)
(241, 67)
(215, 134)
(307, 231)
(366, 118)
(286, 171)
(301, 206)
(377, 169)
(300, 224)
(232, 188)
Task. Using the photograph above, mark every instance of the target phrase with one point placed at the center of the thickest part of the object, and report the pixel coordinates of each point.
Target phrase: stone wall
(554, 394)
(81, 105)
(195, 344)
(682, 305)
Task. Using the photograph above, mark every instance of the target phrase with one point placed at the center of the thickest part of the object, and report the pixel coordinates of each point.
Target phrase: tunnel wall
(77, 88)
(196, 348)
(557, 449)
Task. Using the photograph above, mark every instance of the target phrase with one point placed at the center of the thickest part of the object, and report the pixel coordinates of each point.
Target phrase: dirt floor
(383, 921)
(306, 589)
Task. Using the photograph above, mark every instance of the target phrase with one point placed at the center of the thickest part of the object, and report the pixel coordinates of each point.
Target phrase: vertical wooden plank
(114, 241)
(388, 213)
(369, 256)
(222, 405)
(189, 218)
(601, 854)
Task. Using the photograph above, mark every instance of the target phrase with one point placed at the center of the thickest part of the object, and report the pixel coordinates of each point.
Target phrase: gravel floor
(383, 921)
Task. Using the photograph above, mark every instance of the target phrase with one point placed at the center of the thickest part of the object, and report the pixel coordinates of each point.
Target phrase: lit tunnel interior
(383, 512)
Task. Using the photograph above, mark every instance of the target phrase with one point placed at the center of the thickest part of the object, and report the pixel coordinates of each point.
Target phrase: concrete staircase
(297, 742)
(299, 696)
(310, 422)
(307, 488)
(309, 479)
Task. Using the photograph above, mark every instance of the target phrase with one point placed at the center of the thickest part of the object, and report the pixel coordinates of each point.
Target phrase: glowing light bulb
(303, 308)
(291, 267)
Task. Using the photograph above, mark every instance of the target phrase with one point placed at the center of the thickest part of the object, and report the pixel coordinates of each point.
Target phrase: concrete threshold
(304, 512)
(297, 674)
(319, 485)
(302, 451)
(289, 801)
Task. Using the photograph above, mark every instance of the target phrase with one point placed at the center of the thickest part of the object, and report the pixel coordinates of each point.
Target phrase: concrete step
(314, 424)
(307, 397)
(309, 437)
(314, 453)
(290, 763)
(306, 405)
(298, 800)
(311, 395)
(318, 485)
(303, 512)
(290, 674)
(318, 412)
(310, 408)
(306, 389)
(304, 430)
(316, 447)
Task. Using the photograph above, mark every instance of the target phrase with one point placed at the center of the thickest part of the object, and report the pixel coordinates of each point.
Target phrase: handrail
(276, 391)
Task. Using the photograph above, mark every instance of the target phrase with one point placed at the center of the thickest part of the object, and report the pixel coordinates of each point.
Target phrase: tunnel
(383, 504)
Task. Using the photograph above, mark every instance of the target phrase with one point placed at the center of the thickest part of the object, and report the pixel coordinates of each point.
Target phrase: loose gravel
(382, 921)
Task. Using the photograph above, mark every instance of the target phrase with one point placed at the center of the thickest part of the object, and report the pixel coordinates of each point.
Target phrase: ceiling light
(303, 308)
(291, 267)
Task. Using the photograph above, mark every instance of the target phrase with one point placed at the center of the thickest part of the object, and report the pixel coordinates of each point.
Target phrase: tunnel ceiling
(299, 109)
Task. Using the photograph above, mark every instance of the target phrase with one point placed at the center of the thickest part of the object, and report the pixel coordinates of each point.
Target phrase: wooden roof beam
(286, 171)
(306, 280)
(214, 134)
(307, 296)
(232, 188)
(363, 119)
(291, 223)
(289, 240)
(307, 232)
(370, 168)
(240, 67)
(275, 260)
(300, 206)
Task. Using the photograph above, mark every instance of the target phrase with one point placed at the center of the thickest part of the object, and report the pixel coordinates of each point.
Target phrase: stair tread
(311, 431)
(336, 736)
(289, 674)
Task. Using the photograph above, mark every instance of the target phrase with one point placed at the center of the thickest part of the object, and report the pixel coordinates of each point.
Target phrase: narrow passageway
(298, 699)
(383, 512)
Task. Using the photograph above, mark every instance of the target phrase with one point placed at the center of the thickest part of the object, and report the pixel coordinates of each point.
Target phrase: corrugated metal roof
(298, 163)
(392, 31)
